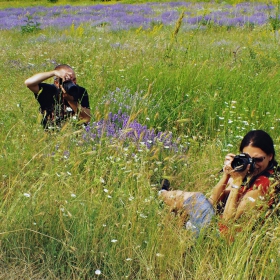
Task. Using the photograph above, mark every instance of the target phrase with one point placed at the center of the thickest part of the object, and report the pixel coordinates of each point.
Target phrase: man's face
(69, 75)
(74, 79)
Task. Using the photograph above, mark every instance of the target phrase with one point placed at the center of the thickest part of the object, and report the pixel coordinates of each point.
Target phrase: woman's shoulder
(262, 183)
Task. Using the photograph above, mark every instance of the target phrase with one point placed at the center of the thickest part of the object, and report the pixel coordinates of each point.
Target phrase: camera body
(241, 161)
(70, 88)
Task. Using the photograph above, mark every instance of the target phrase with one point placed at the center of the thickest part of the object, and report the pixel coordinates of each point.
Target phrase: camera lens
(240, 163)
(71, 89)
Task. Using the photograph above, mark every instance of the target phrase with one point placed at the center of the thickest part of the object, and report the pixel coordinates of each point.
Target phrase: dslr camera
(240, 163)
(70, 88)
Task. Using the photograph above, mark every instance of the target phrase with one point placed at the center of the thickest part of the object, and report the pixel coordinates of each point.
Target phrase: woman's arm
(236, 206)
(219, 190)
(248, 202)
(235, 209)
(232, 201)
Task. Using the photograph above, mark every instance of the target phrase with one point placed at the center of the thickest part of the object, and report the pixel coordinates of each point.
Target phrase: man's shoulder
(46, 86)
(81, 88)
(82, 91)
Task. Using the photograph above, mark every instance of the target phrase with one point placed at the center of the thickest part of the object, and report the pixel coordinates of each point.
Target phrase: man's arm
(85, 114)
(33, 82)
(82, 112)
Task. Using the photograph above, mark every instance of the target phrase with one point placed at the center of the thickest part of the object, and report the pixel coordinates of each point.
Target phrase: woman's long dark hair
(262, 140)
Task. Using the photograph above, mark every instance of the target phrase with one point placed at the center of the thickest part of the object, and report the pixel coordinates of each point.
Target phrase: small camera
(70, 88)
(240, 163)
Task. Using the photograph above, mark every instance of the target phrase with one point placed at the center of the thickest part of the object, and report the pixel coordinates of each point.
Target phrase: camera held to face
(70, 88)
(240, 163)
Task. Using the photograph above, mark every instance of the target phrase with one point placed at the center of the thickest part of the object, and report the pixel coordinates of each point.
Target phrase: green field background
(71, 208)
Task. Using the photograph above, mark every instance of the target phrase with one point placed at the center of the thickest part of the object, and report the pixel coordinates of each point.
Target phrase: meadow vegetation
(82, 203)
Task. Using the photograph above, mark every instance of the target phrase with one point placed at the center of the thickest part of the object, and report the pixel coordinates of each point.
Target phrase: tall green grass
(71, 209)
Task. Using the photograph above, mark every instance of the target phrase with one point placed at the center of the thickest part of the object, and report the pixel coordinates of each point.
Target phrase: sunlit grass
(82, 208)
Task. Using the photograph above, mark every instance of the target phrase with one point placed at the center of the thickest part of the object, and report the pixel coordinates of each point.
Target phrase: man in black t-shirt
(62, 99)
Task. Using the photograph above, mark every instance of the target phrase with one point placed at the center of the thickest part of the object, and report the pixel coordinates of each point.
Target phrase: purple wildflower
(119, 126)
(126, 16)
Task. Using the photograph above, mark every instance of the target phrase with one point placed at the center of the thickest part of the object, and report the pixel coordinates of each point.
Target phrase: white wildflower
(143, 216)
(159, 255)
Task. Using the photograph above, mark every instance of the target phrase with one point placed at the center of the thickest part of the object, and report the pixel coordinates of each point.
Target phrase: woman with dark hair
(245, 180)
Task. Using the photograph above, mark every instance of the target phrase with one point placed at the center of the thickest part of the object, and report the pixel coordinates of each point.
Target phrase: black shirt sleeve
(83, 98)
(46, 96)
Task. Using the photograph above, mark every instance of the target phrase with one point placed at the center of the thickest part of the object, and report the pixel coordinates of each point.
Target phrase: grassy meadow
(74, 205)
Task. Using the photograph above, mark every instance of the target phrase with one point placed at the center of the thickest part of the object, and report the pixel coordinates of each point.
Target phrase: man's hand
(64, 74)
(65, 95)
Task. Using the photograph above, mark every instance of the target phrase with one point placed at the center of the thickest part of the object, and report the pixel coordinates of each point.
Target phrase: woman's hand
(236, 175)
(227, 163)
